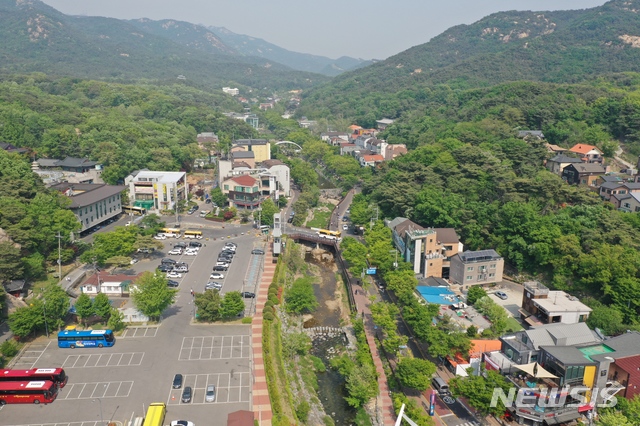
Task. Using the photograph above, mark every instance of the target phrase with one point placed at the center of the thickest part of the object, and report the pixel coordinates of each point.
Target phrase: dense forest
(122, 127)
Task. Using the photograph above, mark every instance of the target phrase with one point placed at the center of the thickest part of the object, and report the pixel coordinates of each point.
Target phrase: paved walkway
(384, 403)
(261, 402)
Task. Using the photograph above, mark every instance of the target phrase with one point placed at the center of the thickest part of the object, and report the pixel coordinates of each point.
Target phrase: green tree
(300, 297)
(475, 292)
(208, 304)
(11, 266)
(359, 385)
(295, 344)
(56, 303)
(102, 306)
(478, 389)
(613, 419)
(268, 209)
(24, 321)
(231, 305)
(415, 373)
(116, 320)
(84, 307)
(218, 197)
(151, 295)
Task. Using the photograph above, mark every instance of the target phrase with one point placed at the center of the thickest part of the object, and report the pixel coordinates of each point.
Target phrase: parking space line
(124, 359)
(94, 390)
(41, 352)
(222, 347)
(80, 423)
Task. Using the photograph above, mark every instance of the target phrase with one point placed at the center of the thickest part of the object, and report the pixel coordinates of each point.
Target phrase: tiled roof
(588, 168)
(85, 194)
(375, 157)
(76, 162)
(244, 180)
(447, 235)
(581, 148)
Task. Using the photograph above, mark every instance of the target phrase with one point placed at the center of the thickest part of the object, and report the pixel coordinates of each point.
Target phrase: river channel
(328, 314)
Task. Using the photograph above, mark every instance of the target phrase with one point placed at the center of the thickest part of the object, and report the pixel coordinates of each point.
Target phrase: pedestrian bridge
(313, 238)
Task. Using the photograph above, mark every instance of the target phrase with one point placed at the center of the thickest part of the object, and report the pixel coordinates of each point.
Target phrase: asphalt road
(118, 383)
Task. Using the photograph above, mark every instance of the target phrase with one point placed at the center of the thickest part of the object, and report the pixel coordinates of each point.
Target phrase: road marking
(74, 391)
(85, 423)
(125, 359)
(231, 388)
(133, 332)
(214, 347)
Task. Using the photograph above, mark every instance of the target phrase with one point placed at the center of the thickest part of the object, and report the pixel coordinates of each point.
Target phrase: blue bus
(86, 339)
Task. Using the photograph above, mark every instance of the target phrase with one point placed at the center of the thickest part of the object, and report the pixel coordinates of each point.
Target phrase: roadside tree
(102, 306)
(24, 321)
(475, 292)
(208, 304)
(84, 307)
(415, 373)
(151, 295)
(231, 305)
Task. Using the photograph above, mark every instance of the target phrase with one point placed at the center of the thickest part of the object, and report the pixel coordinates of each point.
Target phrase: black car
(207, 201)
(220, 268)
(227, 253)
(168, 261)
(177, 381)
(165, 267)
(186, 394)
(257, 251)
(180, 245)
(195, 244)
(172, 283)
(248, 295)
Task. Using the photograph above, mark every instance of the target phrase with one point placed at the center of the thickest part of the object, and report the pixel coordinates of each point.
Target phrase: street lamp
(395, 265)
(101, 418)
(44, 313)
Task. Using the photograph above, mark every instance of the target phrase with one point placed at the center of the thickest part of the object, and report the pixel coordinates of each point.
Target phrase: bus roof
(20, 373)
(85, 332)
(39, 384)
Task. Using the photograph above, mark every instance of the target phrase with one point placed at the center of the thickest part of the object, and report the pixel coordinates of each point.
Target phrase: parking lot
(115, 384)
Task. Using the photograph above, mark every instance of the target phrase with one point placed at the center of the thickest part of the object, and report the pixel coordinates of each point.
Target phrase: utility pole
(44, 312)
(59, 237)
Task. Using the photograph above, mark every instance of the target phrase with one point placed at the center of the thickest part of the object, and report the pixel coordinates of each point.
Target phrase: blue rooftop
(437, 295)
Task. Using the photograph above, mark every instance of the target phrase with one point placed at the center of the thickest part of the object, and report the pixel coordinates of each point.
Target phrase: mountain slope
(563, 46)
(36, 37)
(251, 46)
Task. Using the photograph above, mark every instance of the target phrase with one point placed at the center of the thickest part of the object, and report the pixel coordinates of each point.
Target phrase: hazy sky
(359, 28)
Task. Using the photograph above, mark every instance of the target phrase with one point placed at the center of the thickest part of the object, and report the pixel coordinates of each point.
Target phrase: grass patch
(362, 418)
(513, 325)
(321, 218)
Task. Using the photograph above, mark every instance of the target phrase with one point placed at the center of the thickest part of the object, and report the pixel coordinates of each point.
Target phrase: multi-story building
(476, 267)
(273, 175)
(260, 147)
(157, 191)
(428, 249)
(588, 153)
(92, 203)
(543, 306)
(243, 192)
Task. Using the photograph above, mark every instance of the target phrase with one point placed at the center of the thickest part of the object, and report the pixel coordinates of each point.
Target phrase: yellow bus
(193, 234)
(136, 211)
(329, 234)
(155, 414)
(171, 232)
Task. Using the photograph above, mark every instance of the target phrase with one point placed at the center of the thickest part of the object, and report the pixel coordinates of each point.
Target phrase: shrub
(318, 365)
(267, 316)
(247, 320)
(302, 411)
(268, 309)
(273, 299)
(9, 348)
(328, 421)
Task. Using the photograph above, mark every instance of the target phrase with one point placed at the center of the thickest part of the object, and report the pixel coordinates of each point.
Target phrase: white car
(216, 276)
(223, 264)
(160, 237)
(191, 252)
(128, 223)
(345, 227)
(182, 423)
(174, 274)
(175, 251)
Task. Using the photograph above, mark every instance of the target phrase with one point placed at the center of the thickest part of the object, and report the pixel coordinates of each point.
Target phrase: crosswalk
(469, 424)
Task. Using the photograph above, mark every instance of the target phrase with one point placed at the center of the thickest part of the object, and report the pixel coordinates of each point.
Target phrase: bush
(302, 411)
(328, 421)
(9, 348)
(318, 365)
(268, 309)
(267, 316)
(273, 299)
(247, 320)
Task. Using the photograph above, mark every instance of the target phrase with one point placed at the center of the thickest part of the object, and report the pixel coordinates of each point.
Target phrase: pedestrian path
(260, 392)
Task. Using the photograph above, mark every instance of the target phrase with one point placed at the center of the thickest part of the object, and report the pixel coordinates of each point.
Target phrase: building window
(469, 277)
(226, 187)
(492, 266)
(583, 318)
(492, 275)
(469, 268)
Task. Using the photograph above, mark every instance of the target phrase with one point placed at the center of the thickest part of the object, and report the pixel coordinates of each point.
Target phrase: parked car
(174, 274)
(222, 263)
(176, 251)
(210, 393)
(183, 269)
(216, 276)
(203, 213)
(186, 394)
(248, 295)
(160, 237)
(207, 201)
(177, 381)
(180, 244)
(182, 423)
(212, 285)
(502, 295)
(168, 261)
(220, 268)
(228, 252)
(191, 252)
(165, 267)
(257, 251)
(230, 244)
(172, 283)
(195, 244)
(134, 260)
(128, 223)
(345, 227)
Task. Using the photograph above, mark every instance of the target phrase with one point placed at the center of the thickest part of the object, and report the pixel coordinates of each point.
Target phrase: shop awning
(536, 370)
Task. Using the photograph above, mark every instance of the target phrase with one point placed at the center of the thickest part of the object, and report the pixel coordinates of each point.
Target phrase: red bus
(56, 375)
(44, 391)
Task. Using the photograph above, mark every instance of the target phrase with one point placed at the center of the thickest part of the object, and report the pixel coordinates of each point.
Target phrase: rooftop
(250, 142)
(447, 235)
(561, 158)
(243, 154)
(160, 177)
(479, 255)
(588, 168)
(567, 354)
(582, 148)
(86, 194)
(559, 301)
(244, 180)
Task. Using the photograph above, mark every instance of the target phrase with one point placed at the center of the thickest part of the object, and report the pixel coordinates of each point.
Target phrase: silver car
(210, 394)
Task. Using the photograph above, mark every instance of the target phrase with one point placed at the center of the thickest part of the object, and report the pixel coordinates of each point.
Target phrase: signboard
(432, 405)
(372, 271)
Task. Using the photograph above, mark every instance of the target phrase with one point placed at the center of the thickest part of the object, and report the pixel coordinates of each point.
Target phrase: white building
(157, 191)
(231, 91)
(273, 175)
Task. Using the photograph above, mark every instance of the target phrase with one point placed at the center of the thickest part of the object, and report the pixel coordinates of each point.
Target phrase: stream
(331, 384)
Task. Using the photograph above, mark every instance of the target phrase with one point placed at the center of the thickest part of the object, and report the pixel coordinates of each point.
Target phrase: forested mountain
(123, 127)
(36, 37)
(564, 46)
(251, 46)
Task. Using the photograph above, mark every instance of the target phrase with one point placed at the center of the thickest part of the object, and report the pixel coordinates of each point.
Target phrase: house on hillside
(370, 160)
(476, 267)
(524, 134)
(12, 148)
(383, 124)
(588, 153)
(557, 163)
(543, 306)
(260, 147)
(92, 203)
(392, 151)
(583, 174)
(617, 190)
(243, 192)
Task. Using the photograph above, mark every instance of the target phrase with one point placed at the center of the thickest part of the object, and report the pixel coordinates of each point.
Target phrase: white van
(203, 213)
(440, 386)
